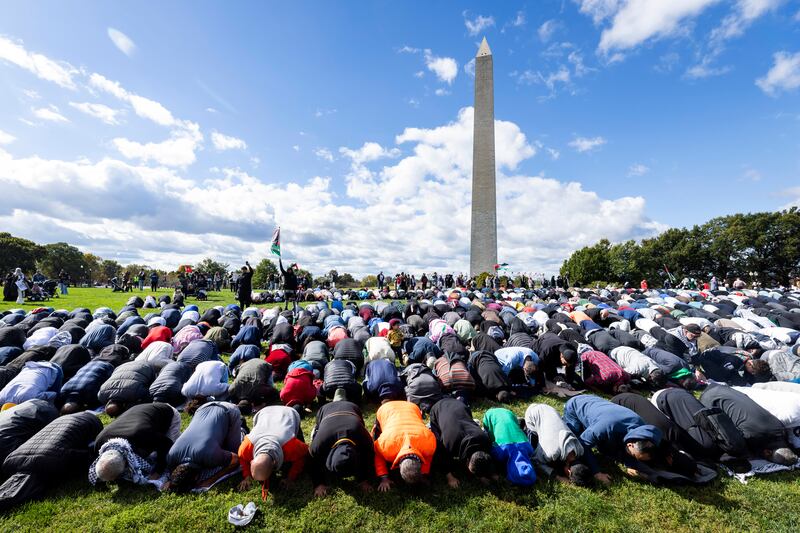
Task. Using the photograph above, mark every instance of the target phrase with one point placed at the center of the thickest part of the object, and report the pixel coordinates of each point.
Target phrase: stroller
(49, 288)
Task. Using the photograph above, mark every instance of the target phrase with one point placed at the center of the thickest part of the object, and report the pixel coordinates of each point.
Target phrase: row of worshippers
(659, 439)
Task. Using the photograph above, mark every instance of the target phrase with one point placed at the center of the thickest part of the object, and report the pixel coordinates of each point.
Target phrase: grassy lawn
(765, 504)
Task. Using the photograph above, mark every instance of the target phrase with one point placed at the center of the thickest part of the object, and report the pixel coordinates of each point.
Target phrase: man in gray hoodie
(559, 452)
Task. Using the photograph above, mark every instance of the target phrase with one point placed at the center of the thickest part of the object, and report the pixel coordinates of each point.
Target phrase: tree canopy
(764, 246)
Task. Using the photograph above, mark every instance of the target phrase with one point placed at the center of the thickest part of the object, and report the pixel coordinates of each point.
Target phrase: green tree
(370, 280)
(109, 269)
(16, 252)
(345, 279)
(209, 266)
(333, 276)
(60, 255)
(261, 273)
(590, 263)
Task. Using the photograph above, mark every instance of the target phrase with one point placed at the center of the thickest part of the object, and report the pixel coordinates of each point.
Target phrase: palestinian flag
(276, 241)
(501, 266)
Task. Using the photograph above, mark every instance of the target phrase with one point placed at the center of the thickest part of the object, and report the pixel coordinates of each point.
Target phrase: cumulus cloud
(445, 68)
(587, 144)
(6, 138)
(783, 76)
(124, 43)
(98, 111)
(369, 151)
(633, 22)
(477, 24)
(177, 151)
(50, 113)
(58, 72)
(415, 194)
(226, 142)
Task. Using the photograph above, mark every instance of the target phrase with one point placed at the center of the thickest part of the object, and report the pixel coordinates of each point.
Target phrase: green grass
(770, 503)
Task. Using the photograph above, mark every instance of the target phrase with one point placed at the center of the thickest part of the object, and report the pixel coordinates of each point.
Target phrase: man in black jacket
(59, 449)
(459, 440)
(289, 283)
(144, 428)
(245, 288)
(340, 447)
(764, 433)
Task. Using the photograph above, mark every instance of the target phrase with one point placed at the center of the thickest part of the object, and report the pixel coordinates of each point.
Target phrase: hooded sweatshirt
(510, 445)
(556, 441)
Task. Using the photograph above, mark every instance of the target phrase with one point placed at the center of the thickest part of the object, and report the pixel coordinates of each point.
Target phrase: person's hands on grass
(452, 481)
(245, 484)
(366, 486)
(385, 485)
(605, 479)
(320, 491)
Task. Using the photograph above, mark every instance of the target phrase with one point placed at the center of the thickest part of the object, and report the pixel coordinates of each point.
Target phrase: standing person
(22, 285)
(289, 283)
(381, 280)
(154, 281)
(63, 279)
(245, 289)
(140, 275)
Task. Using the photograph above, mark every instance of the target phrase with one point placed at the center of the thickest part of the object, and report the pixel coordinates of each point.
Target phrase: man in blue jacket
(613, 430)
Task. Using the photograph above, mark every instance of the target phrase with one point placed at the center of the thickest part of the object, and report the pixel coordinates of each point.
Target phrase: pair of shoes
(241, 516)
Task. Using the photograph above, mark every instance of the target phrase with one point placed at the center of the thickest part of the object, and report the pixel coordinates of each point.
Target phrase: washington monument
(483, 241)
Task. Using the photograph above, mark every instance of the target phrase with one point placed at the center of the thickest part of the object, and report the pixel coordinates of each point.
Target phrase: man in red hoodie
(298, 387)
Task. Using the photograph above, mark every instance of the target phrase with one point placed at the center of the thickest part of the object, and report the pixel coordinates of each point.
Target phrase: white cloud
(324, 153)
(226, 142)
(441, 92)
(50, 113)
(143, 107)
(322, 112)
(6, 138)
(413, 102)
(742, 16)
(296, 147)
(212, 110)
(122, 41)
(547, 29)
(445, 68)
(469, 67)
(587, 144)
(113, 208)
(554, 154)
(99, 111)
(31, 94)
(638, 169)
(519, 20)
(634, 22)
(177, 151)
(369, 151)
(419, 74)
(477, 24)
(752, 174)
(58, 72)
(784, 74)
(794, 194)
(408, 50)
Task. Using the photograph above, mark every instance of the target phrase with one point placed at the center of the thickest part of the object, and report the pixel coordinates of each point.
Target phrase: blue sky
(205, 124)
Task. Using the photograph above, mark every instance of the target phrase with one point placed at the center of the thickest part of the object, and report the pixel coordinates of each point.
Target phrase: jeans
(141, 284)
(63, 288)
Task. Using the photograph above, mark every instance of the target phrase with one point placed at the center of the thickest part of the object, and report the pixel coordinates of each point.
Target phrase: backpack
(725, 433)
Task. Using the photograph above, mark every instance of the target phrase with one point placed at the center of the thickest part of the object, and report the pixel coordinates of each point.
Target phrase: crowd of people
(670, 383)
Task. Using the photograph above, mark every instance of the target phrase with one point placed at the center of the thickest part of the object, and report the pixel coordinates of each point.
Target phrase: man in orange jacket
(276, 439)
(402, 439)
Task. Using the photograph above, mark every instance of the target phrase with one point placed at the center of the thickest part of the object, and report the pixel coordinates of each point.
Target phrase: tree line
(762, 247)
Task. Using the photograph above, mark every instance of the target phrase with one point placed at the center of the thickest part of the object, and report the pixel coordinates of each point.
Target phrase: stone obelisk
(483, 241)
